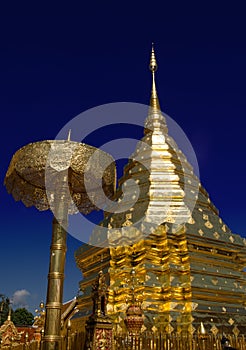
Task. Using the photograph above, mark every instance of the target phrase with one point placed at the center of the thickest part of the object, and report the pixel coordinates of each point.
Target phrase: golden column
(50, 175)
(56, 266)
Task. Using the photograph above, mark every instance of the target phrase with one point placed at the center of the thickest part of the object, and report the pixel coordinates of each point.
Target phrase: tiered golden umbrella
(53, 175)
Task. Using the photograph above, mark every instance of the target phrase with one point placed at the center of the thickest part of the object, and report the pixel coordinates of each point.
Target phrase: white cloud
(20, 297)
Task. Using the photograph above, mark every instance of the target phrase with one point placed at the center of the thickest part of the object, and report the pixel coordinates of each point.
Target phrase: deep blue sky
(58, 60)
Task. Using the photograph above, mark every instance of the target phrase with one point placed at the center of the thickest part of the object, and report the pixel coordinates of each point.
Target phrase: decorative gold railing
(146, 341)
(158, 341)
(33, 345)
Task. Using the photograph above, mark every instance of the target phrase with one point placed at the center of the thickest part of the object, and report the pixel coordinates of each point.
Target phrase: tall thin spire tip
(153, 64)
(155, 116)
(154, 102)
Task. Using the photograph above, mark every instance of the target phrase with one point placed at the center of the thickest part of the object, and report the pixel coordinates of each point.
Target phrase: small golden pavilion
(172, 255)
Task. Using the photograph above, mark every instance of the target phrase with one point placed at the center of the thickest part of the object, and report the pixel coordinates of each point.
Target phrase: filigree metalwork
(55, 175)
(35, 168)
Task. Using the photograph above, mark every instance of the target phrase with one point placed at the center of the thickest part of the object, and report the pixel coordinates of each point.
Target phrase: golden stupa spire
(154, 101)
(155, 117)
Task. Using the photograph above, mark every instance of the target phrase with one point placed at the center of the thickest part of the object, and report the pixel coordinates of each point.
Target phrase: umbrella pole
(52, 329)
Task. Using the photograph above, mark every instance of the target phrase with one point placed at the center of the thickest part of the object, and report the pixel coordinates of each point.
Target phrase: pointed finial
(155, 120)
(154, 101)
(9, 314)
(202, 329)
(153, 65)
(69, 135)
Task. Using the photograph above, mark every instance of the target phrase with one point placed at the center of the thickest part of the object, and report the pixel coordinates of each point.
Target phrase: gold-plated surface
(52, 328)
(33, 172)
(99, 333)
(51, 175)
(190, 266)
(165, 341)
(9, 334)
(154, 101)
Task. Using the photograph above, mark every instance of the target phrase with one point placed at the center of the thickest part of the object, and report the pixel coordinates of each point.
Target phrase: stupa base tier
(177, 289)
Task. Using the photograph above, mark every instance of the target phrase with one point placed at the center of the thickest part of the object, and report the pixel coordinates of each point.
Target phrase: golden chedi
(188, 263)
